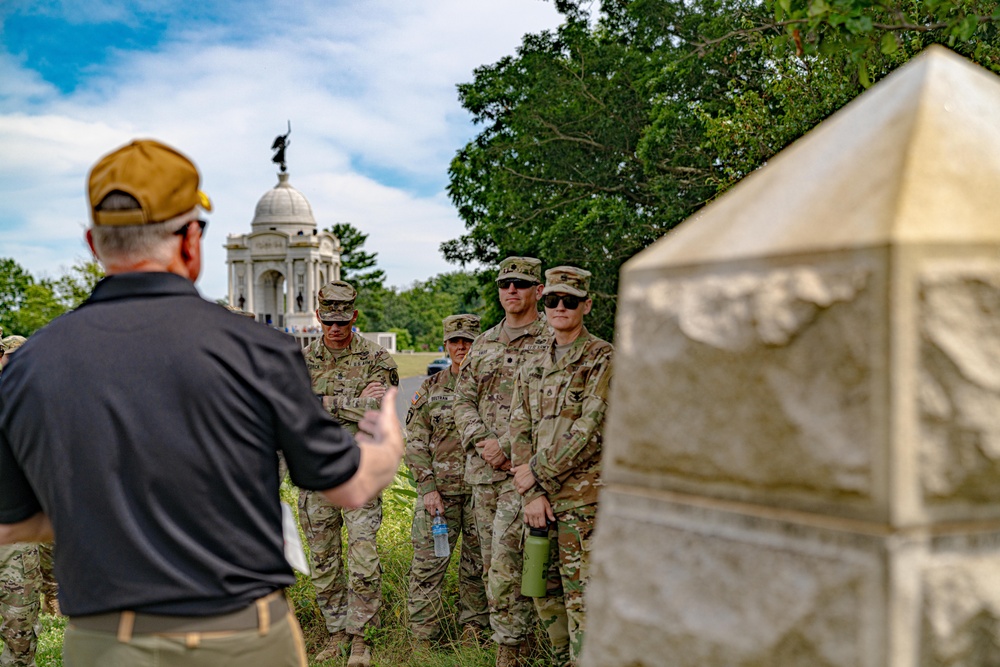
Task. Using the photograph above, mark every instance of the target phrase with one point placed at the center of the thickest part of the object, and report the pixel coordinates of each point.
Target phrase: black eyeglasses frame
(202, 224)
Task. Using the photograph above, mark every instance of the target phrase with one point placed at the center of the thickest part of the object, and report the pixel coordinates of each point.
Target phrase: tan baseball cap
(567, 280)
(161, 179)
(520, 268)
(461, 326)
(336, 301)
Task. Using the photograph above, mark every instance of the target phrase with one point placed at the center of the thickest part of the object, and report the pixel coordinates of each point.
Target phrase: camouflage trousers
(569, 571)
(48, 587)
(348, 602)
(427, 570)
(19, 604)
(511, 614)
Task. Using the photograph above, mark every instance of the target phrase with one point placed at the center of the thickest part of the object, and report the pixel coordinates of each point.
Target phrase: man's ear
(90, 242)
(191, 251)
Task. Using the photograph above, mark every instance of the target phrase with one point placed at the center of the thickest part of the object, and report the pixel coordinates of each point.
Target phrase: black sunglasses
(183, 230)
(516, 282)
(571, 302)
(339, 323)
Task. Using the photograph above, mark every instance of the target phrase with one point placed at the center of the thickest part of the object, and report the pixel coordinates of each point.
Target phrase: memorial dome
(283, 206)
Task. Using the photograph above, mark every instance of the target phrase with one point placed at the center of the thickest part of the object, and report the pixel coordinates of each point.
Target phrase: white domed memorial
(276, 269)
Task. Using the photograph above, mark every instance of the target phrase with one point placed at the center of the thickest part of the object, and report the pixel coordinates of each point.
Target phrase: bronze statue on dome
(281, 142)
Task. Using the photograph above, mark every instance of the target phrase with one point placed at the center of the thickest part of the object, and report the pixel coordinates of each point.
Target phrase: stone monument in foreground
(803, 452)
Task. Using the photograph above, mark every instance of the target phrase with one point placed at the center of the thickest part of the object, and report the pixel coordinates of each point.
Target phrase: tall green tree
(74, 287)
(14, 284)
(41, 306)
(420, 308)
(596, 139)
(357, 265)
(561, 169)
(27, 304)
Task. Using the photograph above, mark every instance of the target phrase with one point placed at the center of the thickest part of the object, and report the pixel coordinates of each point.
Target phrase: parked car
(438, 365)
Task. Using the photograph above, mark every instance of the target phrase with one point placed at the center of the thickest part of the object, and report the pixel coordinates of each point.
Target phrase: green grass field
(415, 363)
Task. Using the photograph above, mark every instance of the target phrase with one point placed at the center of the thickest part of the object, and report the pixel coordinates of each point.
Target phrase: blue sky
(368, 85)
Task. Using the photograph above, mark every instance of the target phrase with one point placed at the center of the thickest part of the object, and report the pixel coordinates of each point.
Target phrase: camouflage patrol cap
(567, 280)
(11, 343)
(336, 301)
(461, 326)
(522, 268)
(245, 313)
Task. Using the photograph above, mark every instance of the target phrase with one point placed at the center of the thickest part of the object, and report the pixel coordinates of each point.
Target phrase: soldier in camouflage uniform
(350, 374)
(20, 579)
(435, 456)
(7, 347)
(556, 434)
(482, 411)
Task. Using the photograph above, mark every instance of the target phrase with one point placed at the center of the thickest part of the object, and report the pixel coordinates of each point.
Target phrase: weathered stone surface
(959, 398)
(729, 590)
(762, 381)
(961, 605)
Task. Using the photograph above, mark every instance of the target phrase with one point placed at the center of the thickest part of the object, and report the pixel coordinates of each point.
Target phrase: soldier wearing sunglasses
(482, 410)
(556, 433)
(350, 374)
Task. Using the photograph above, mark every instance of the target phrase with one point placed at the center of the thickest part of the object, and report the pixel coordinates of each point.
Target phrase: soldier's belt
(257, 616)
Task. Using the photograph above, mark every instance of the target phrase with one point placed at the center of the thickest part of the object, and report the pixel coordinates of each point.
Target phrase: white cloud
(363, 83)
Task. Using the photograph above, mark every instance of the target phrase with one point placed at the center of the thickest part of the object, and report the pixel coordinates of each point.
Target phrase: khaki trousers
(282, 646)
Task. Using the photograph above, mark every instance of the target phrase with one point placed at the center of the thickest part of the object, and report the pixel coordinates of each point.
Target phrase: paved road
(407, 387)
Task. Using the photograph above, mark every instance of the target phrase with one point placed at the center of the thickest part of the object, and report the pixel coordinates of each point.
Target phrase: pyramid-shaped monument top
(916, 159)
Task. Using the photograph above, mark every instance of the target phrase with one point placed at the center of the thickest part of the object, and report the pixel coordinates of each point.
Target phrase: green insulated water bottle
(536, 563)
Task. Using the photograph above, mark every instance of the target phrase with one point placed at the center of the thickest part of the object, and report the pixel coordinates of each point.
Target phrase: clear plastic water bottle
(439, 529)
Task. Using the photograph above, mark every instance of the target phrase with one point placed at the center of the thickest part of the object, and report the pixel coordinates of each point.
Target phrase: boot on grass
(361, 653)
(509, 656)
(333, 647)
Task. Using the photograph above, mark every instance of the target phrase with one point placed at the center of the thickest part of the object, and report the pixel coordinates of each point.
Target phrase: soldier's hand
(374, 390)
(433, 503)
(524, 479)
(538, 512)
(493, 455)
(328, 402)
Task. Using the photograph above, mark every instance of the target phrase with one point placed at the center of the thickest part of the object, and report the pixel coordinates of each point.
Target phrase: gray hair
(130, 244)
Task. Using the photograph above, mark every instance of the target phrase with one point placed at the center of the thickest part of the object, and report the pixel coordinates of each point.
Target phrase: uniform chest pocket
(575, 393)
(442, 416)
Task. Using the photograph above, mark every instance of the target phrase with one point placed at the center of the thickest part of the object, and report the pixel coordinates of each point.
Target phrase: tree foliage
(356, 264)
(596, 139)
(27, 304)
(419, 309)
